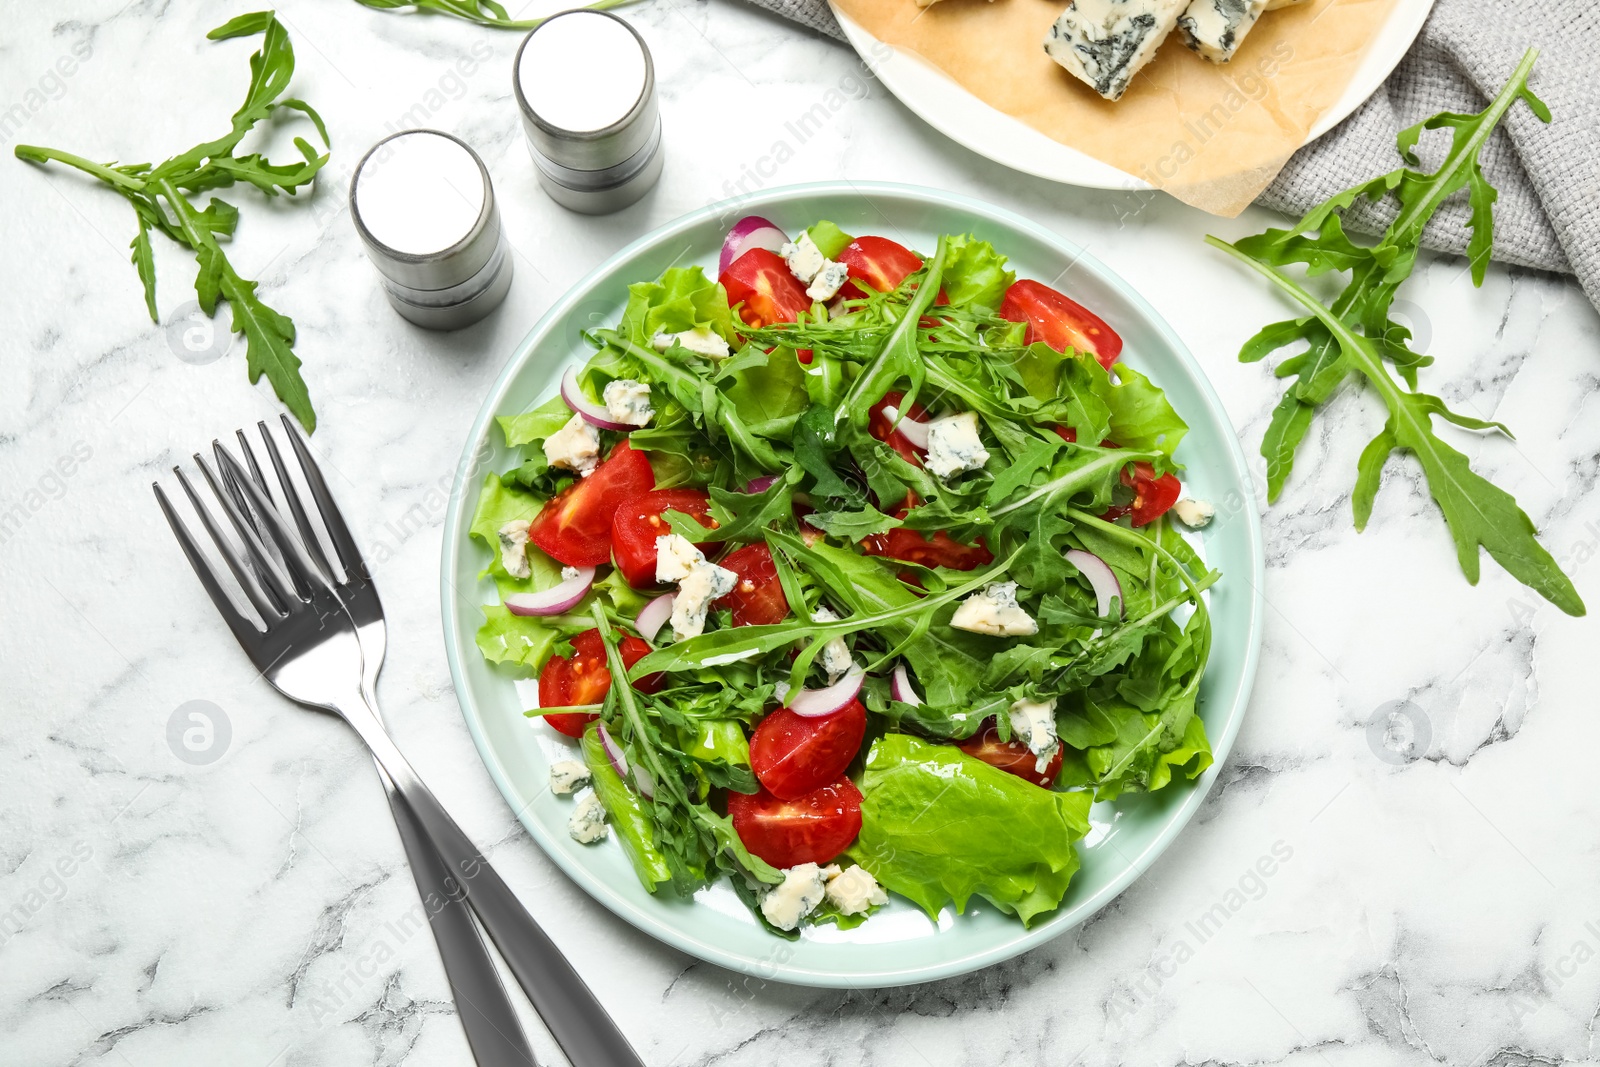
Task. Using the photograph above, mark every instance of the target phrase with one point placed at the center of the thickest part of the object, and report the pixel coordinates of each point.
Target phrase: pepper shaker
(587, 89)
(425, 209)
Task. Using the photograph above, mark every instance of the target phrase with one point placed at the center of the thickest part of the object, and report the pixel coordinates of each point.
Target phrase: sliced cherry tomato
(813, 829)
(761, 280)
(792, 754)
(880, 263)
(879, 425)
(1060, 322)
(586, 678)
(575, 526)
(1152, 496)
(1012, 757)
(940, 550)
(638, 522)
(757, 600)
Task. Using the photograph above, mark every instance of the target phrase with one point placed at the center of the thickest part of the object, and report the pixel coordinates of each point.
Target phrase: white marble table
(249, 911)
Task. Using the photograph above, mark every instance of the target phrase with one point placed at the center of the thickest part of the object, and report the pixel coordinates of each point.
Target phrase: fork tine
(275, 583)
(308, 536)
(255, 585)
(295, 560)
(231, 477)
(343, 544)
(242, 504)
(243, 629)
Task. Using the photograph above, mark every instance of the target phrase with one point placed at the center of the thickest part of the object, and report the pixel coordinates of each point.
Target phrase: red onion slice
(619, 763)
(912, 430)
(752, 231)
(761, 484)
(613, 751)
(900, 686)
(556, 599)
(1100, 576)
(815, 703)
(653, 616)
(594, 414)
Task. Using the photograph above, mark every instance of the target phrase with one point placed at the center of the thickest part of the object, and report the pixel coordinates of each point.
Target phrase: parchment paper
(1212, 135)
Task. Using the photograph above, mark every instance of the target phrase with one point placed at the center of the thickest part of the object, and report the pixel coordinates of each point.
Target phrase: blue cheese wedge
(1105, 43)
(1216, 28)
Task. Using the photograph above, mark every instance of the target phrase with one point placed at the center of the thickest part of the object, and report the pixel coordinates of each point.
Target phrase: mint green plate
(899, 945)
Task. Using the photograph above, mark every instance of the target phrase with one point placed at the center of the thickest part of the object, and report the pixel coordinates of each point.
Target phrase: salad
(851, 571)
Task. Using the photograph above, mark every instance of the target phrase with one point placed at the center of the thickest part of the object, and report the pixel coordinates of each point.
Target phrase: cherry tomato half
(757, 599)
(575, 526)
(1060, 322)
(1152, 496)
(793, 754)
(879, 425)
(586, 679)
(761, 280)
(813, 829)
(638, 522)
(939, 550)
(1012, 757)
(881, 264)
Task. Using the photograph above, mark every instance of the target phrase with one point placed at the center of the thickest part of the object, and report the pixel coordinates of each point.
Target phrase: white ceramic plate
(953, 111)
(899, 945)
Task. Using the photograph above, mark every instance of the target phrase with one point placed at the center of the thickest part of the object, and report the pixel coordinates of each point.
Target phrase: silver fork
(487, 1016)
(310, 651)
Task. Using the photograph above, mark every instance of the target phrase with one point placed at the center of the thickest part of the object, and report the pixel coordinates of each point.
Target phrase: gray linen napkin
(1548, 215)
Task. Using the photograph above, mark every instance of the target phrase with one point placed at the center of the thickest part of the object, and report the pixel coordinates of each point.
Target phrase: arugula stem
(899, 355)
(99, 170)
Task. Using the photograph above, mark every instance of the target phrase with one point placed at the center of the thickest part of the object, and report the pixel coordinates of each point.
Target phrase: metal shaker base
(455, 316)
(603, 201)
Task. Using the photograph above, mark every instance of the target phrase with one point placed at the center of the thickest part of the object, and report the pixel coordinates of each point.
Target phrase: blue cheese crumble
(835, 654)
(1104, 43)
(1034, 724)
(566, 776)
(575, 447)
(821, 275)
(588, 822)
(953, 445)
(802, 889)
(702, 341)
(699, 583)
(628, 402)
(514, 548)
(994, 610)
(853, 890)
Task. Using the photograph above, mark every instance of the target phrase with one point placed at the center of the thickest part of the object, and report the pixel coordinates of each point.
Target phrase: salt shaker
(425, 209)
(587, 89)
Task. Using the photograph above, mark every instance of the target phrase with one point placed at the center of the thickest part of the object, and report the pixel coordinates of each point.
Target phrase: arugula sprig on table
(160, 197)
(482, 12)
(1356, 335)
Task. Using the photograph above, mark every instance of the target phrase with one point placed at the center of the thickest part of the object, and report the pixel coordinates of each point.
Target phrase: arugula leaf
(1355, 335)
(269, 335)
(854, 525)
(940, 827)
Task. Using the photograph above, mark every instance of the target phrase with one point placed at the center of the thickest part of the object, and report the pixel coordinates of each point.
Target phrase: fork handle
(486, 1013)
(576, 1019)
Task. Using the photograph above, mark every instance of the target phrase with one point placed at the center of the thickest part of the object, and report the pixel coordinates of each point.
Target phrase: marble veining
(1418, 749)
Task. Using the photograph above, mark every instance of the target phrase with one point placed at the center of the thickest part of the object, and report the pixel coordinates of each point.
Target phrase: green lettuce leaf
(629, 819)
(682, 299)
(829, 239)
(975, 274)
(938, 826)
